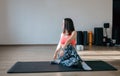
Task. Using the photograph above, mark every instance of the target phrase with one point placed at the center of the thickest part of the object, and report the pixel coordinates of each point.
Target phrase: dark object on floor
(45, 66)
(98, 36)
(79, 38)
(85, 37)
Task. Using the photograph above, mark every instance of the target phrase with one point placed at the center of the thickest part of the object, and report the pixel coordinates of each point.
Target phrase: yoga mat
(45, 66)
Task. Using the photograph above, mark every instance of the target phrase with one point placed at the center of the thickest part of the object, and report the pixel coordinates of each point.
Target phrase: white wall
(39, 21)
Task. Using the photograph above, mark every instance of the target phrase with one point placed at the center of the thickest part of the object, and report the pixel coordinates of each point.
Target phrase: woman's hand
(55, 57)
(55, 54)
(63, 47)
(61, 53)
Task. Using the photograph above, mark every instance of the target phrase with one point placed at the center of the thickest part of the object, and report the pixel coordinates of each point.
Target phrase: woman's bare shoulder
(62, 33)
(74, 32)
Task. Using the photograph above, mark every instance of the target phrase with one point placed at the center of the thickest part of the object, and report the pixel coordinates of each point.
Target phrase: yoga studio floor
(9, 55)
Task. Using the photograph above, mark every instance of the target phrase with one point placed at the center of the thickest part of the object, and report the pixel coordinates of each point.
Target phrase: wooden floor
(11, 54)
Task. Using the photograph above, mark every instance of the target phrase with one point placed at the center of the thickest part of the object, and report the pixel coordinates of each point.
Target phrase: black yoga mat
(45, 66)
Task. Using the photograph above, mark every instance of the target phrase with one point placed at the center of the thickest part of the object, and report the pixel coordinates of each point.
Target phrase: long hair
(68, 25)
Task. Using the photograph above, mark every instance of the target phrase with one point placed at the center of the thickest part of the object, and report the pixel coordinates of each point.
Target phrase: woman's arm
(73, 36)
(57, 49)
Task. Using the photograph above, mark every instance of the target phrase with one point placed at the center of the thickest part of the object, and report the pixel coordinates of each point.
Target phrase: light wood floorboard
(11, 54)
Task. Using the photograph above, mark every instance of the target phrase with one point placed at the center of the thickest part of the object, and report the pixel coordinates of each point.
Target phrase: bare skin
(63, 46)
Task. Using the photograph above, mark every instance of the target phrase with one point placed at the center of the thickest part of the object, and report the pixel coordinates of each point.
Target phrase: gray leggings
(70, 57)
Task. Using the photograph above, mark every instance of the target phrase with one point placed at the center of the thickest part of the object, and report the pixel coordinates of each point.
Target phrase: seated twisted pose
(65, 53)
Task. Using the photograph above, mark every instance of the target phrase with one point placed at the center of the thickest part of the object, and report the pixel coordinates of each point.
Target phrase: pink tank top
(64, 39)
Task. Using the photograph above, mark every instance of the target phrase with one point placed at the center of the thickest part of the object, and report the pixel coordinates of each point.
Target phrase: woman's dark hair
(68, 25)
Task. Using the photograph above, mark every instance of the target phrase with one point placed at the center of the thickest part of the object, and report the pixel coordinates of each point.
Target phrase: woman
(65, 53)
